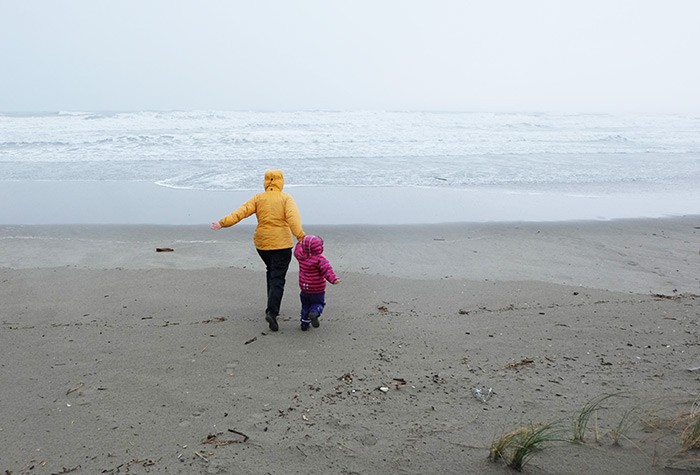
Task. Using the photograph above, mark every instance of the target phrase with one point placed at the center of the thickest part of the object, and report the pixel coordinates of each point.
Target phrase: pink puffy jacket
(314, 268)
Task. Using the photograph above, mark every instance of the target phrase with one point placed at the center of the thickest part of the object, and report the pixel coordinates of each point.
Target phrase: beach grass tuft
(620, 431)
(518, 446)
(580, 423)
(690, 437)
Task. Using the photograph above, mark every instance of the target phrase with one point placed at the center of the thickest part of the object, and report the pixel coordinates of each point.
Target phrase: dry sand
(118, 359)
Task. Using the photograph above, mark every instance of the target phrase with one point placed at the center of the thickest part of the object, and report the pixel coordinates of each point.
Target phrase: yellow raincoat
(277, 214)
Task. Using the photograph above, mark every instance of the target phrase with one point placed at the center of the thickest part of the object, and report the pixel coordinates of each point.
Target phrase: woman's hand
(215, 226)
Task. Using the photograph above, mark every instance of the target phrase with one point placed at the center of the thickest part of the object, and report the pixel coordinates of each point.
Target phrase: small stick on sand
(72, 390)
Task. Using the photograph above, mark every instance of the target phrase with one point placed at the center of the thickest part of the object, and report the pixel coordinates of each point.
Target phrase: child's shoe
(314, 319)
(304, 327)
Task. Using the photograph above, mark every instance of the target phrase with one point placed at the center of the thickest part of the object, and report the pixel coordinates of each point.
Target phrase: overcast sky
(489, 55)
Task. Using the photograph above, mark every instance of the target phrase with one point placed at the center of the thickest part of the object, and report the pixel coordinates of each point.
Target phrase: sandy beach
(115, 358)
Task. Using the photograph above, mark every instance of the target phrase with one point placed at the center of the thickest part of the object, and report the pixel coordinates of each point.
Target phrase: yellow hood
(274, 180)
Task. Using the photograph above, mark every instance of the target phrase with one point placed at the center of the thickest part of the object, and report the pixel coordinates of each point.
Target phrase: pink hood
(309, 246)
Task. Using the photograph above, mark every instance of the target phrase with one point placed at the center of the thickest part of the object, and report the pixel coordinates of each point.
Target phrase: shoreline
(118, 202)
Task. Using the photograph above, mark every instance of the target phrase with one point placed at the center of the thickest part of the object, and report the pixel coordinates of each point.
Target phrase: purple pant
(311, 303)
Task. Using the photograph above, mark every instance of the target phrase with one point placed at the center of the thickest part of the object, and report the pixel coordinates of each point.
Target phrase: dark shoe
(314, 319)
(304, 327)
(272, 321)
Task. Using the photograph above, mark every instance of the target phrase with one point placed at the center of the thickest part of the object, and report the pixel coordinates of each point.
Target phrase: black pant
(277, 262)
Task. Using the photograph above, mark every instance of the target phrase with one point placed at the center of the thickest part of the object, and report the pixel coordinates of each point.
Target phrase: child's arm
(327, 270)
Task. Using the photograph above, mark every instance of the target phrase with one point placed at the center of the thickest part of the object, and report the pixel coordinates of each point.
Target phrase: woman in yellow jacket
(278, 218)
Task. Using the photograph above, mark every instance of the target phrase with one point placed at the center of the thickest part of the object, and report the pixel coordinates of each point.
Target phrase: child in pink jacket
(314, 271)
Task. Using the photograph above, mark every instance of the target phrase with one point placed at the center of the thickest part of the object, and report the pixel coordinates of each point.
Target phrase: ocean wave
(224, 150)
(73, 114)
(617, 138)
(39, 143)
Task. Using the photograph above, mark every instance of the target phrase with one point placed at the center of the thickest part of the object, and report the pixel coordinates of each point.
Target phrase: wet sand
(121, 202)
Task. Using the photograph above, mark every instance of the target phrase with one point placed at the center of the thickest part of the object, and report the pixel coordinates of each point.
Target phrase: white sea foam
(211, 150)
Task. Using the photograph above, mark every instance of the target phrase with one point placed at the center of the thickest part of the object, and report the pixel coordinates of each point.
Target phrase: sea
(540, 153)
